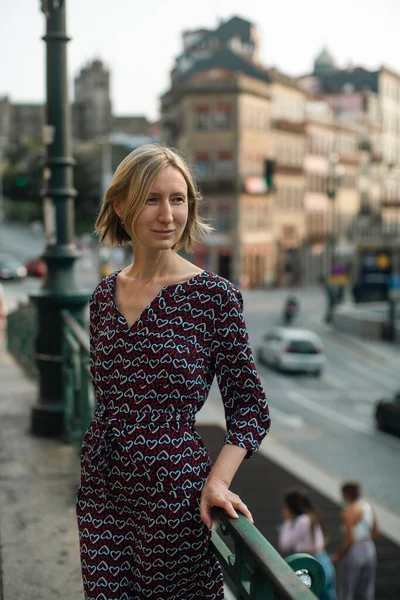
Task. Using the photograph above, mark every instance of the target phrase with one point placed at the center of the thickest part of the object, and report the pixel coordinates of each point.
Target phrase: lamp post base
(48, 412)
(47, 420)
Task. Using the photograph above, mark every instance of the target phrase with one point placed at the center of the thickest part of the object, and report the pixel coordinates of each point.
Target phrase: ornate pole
(60, 289)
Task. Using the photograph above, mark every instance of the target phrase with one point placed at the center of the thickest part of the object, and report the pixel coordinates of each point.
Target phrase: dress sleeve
(246, 407)
(93, 331)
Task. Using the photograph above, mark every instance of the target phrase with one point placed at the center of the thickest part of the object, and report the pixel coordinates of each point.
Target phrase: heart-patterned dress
(143, 464)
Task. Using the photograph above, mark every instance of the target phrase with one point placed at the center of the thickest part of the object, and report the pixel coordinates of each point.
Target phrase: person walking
(356, 559)
(161, 329)
(303, 531)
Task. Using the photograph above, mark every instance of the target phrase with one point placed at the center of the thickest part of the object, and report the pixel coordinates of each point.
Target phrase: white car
(290, 349)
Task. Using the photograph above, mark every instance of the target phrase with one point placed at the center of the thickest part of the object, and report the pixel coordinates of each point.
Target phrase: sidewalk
(38, 535)
(38, 478)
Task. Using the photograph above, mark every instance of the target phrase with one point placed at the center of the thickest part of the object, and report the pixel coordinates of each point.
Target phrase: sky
(139, 40)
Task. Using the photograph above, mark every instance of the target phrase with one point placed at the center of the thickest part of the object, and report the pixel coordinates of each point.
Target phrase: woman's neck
(150, 266)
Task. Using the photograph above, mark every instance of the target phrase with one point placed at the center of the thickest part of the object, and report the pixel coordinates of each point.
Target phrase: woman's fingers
(225, 499)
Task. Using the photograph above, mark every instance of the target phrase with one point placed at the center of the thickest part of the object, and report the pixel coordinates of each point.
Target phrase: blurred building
(371, 101)
(288, 139)
(243, 128)
(92, 113)
(131, 125)
(20, 121)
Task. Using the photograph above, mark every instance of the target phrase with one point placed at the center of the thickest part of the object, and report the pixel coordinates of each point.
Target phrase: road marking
(329, 413)
(292, 421)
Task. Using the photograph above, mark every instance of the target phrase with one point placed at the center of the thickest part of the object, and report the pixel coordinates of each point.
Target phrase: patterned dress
(143, 462)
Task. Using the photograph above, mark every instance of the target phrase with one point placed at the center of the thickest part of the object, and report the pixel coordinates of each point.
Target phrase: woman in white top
(302, 531)
(357, 556)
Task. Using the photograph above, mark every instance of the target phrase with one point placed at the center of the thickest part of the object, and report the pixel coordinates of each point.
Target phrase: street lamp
(60, 289)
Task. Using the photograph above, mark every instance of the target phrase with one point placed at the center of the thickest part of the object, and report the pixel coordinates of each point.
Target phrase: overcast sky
(139, 39)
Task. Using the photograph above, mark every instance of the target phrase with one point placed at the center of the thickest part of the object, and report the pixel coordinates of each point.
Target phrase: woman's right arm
(348, 524)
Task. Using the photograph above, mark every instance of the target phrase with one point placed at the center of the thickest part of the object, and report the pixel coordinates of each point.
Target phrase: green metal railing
(256, 569)
(21, 335)
(79, 401)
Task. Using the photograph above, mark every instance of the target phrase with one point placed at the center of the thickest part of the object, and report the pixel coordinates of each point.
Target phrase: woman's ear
(118, 207)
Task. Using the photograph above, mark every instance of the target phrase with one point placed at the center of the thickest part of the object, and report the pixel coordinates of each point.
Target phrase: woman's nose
(165, 212)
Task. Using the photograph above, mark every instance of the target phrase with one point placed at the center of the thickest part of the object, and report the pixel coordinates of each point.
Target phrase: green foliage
(22, 176)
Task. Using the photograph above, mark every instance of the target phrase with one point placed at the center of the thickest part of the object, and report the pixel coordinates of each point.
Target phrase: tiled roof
(236, 26)
(229, 60)
(360, 78)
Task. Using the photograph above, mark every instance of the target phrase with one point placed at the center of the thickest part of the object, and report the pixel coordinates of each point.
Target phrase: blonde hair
(131, 184)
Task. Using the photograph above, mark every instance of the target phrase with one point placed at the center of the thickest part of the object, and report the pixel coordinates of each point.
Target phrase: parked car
(387, 414)
(11, 267)
(296, 350)
(36, 267)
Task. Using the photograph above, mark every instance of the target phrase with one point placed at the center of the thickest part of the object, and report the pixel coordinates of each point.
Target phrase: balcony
(282, 168)
(349, 159)
(390, 203)
(222, 183)
(290, 126)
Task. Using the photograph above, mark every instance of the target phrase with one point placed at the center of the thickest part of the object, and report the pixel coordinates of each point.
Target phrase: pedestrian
(356, 559)
(160, 330)
(303, 531)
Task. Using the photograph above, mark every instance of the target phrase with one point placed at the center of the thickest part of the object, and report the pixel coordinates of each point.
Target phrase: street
(329, 420)
(26, 244)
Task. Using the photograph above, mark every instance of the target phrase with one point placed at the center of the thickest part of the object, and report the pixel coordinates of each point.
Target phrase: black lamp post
(60, 289)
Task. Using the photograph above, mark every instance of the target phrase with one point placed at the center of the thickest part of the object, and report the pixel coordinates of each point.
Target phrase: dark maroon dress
(143, 463)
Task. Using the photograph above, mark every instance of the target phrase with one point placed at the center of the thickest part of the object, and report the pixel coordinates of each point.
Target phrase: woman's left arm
(216, 489)
(246, 407)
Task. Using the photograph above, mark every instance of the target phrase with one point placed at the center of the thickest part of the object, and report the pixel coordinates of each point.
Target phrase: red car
(36, 267)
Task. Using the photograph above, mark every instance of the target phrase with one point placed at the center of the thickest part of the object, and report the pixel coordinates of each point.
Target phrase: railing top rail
(264, 555)
(78, 331)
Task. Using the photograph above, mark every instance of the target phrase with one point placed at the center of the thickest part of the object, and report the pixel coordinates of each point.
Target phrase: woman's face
(163, 218)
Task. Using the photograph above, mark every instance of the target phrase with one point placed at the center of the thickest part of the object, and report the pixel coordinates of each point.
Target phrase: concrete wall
(366, 322)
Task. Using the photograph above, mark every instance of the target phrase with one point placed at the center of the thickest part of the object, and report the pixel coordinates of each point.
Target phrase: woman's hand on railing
(217, 493)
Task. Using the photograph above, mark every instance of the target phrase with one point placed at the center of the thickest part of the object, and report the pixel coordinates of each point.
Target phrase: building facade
(221, 122)
(288, 136)
(92, 111)
(370, 100)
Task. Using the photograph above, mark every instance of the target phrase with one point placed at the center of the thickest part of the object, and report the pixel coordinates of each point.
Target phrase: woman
(160, 330)
(356, 559)
(302, 531)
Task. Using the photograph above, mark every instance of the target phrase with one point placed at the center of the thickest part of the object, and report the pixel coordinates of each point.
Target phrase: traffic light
(269, 170)
(21, 181)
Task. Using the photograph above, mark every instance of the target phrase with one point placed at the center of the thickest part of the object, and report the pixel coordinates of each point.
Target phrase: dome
(324, 63)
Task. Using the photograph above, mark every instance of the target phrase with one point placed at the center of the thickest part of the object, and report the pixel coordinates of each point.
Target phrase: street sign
(394, 286)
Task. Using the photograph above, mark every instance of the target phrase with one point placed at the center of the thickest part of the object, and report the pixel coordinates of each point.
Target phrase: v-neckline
(122, 318)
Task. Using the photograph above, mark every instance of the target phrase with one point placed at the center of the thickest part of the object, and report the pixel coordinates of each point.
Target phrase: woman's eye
(151, 200)
(178, 199)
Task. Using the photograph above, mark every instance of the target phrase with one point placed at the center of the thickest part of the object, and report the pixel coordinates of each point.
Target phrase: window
(203, 164)
(223, 116)
(224, 218)
(224, 163)
(202, 117)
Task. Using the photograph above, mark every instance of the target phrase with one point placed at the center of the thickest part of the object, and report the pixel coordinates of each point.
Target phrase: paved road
(330, 419)
(25, 244)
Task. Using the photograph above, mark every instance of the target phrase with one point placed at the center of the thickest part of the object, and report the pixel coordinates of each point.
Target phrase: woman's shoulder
(303, 520)
(103, 287)
(222, 287)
